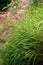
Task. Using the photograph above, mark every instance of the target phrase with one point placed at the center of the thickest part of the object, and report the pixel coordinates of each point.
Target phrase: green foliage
(2, 41)
(36, 2)
(16, 3)
(26, 44)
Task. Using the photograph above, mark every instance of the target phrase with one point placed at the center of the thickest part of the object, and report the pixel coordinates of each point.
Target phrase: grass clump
(25, 46)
